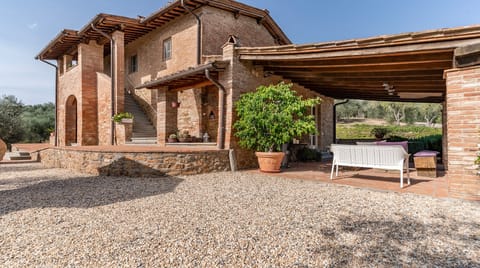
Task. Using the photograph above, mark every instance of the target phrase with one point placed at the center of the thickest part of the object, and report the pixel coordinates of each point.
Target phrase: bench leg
(408, 174)
(401, 178)
(333, 167)
(336, 173)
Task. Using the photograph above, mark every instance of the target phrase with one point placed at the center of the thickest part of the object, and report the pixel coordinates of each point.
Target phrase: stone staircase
(143, 130)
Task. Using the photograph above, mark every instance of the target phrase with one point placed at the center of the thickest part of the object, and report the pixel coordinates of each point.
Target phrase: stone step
(143, 140)
(18, 155)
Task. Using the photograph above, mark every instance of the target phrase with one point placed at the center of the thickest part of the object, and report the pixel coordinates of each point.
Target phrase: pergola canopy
(188, 78)
(411, 65)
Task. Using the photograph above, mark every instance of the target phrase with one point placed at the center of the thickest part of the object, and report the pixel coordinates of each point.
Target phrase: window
(167, 49)
(133, 67)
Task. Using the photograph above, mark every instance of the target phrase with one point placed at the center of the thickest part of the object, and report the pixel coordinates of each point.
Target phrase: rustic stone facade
(127, 163)
(463, 132)
(241, 77)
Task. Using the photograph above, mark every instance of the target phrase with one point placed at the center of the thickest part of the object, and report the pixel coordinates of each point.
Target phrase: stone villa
(183, 67)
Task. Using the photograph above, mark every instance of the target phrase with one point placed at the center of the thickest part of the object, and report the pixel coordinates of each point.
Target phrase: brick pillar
(226, 79)
(463, 121)
(90, 59)
(119, 71)
(166, 115)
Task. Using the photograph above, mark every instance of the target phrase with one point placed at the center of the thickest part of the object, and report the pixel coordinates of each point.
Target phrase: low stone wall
(135, 164)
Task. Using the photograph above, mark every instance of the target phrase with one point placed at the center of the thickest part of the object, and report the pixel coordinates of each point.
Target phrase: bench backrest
(369, 155)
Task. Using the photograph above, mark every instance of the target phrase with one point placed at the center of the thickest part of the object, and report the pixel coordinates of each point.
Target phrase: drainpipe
(335, 119)
(199, 32)
(56, 96)
(221, 106)
(112, 75)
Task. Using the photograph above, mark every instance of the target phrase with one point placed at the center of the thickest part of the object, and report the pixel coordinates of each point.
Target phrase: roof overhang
(67, 40)
(413, 64)
(189, 78)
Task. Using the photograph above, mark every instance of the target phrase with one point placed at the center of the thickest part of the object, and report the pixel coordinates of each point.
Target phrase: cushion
(404, 144)
(425, 153)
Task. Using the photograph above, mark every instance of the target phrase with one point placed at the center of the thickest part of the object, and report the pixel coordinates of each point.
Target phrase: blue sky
(26, 26)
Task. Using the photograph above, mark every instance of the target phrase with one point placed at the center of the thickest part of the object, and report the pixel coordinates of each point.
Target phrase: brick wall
(219, 24)
(69, 84)
(463, 136)
(149, 51)
(104, 92)
(167, 116)
(90, 60)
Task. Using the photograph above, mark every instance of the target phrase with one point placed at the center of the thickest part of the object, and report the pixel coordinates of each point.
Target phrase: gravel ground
(56, 218)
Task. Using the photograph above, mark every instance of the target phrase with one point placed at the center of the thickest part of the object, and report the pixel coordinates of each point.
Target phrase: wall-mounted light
(389, 88)
(175, 104)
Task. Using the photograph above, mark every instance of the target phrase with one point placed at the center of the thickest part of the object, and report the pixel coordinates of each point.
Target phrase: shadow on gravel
(405, 242)
(85, 192)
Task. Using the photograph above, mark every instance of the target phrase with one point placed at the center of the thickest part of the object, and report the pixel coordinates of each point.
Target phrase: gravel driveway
(54, 217)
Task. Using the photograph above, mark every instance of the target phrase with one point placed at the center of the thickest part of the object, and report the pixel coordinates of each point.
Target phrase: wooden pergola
(405, 67)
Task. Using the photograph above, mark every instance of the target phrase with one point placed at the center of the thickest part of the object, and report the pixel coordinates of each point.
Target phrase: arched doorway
(71, 120)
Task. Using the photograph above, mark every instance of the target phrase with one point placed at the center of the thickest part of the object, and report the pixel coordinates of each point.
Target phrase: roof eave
(56, 39)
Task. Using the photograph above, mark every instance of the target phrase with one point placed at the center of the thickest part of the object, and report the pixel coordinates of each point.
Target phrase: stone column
(463, 131)
(119, 70)
(166, 115)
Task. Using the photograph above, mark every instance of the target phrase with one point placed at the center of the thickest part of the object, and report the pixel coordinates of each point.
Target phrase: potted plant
(184, 136)
(269, 117)
(379, 132)
(124, 117)
(172, 138)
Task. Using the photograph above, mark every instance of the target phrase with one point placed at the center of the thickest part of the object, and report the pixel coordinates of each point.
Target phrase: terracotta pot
(270, 162)
(170, 140)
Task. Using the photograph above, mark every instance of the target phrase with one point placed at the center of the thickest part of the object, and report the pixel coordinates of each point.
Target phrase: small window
(167, 49)
(133, 67)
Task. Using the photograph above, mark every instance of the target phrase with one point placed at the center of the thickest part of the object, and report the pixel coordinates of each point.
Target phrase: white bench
(389, 157)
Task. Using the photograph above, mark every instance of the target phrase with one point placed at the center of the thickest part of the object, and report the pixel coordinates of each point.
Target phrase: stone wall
(136, 163)
(463, 136)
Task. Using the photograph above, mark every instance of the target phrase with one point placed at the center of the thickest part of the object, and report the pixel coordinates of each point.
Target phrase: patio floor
(367, 178)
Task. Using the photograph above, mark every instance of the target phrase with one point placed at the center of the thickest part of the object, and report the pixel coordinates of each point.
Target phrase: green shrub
(118, 117)
(379, 132)
(271, 116)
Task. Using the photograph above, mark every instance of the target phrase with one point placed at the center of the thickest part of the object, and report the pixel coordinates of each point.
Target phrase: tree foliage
(25, 123)
(38, 121)
(393, 112)
(10, 121)
(271, 116)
